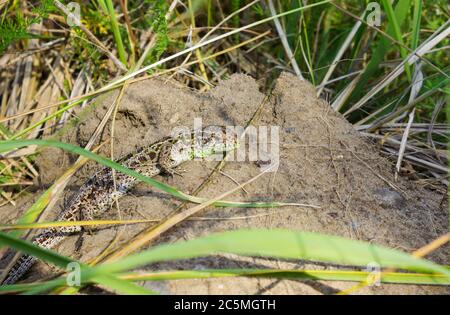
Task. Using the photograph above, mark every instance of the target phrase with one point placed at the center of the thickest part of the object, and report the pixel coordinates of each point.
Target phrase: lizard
(98, 193)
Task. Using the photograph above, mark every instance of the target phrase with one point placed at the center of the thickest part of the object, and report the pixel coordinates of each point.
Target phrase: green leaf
(327, 275)
(280, 244)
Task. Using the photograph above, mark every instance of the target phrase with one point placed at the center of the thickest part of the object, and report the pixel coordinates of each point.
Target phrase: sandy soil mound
(323, 161)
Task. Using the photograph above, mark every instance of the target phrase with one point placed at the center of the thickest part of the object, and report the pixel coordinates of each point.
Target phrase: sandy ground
(323, 161)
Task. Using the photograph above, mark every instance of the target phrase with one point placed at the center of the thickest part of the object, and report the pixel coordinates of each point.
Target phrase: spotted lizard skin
(98, 194)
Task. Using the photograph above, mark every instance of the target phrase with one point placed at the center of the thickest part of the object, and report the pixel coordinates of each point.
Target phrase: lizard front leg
(167, 161)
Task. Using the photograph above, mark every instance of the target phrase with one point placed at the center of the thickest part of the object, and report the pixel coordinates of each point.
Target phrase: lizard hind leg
(85, 214)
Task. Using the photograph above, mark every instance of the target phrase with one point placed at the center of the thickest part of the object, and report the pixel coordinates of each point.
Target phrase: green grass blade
(326, 275)
(302, 275)
(383, 45)
(14, 144)
(40, 288)
(87, 272)
(33, 288)
(34, 211)
(116, 31)
(280, 244)
(47, 118)
(264, 243)
(102, 4)
(28, 248)
(396, 29)
(117, 82)
(207, 42)
(122, 286)
(109, 281)
(416, 23)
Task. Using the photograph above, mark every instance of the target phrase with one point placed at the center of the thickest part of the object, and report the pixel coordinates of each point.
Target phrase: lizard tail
(47, 240)
(19, 269)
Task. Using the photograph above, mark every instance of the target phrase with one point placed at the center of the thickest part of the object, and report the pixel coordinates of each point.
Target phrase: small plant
(17, 28)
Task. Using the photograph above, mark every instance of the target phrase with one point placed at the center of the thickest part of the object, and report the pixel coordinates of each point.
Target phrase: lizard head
(203, 143)
(214, 140)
